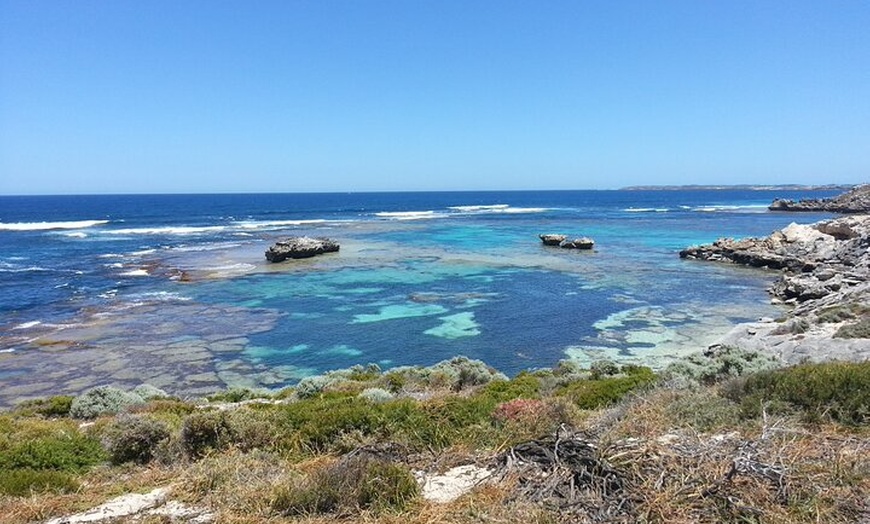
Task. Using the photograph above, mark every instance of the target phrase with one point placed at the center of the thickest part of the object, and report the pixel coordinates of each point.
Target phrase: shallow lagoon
(194, 308)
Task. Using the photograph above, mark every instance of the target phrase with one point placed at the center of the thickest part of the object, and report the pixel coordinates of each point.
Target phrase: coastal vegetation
(722, 436)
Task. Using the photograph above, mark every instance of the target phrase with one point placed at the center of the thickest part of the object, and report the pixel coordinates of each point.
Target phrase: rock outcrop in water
(563, 241)
(856, 200)
(300, 247)
(825, 276)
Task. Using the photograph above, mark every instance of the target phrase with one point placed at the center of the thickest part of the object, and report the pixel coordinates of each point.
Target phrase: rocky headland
(300, 247)
(857, 200)
(825, 279)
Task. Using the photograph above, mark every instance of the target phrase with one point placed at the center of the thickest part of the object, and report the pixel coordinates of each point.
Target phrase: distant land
(747, 187)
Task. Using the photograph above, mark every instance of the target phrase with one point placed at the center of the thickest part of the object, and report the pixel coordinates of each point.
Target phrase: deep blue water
(420, 277)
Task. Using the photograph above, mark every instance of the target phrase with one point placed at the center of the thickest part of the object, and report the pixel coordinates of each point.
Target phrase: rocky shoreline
(825, 279)
(857, 200)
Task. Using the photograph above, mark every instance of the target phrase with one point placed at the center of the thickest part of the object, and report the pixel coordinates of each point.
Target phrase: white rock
(452, 484)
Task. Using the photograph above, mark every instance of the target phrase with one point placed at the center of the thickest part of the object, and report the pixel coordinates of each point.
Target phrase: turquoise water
(175, 291)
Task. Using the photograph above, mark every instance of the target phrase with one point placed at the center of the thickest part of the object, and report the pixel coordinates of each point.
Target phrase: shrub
(597, 393)
(860, 329)
(64, 451)
(134, 439)
(702, 411)
(237, 395)
(350, 485)
(314, 385)
(148, 392)
(57, 406)
(25, 482)
(839, 390)
(717, 364)
(793, 326)
(376, 395)
(102, 400)
(251, 429)
(204, 432)
(841, 312)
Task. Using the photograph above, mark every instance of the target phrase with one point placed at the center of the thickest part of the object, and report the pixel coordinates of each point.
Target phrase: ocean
(174, 290)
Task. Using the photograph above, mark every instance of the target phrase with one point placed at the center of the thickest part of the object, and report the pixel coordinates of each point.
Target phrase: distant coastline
(744, 187)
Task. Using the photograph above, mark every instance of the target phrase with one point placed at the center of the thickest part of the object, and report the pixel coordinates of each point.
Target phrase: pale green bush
(102, 400)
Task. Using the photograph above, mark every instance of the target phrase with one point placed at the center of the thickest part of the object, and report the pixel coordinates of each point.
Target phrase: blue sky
(325, 95)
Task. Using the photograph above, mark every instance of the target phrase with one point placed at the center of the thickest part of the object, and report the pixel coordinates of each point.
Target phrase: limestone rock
(300, 247)
(855, 201)
(563, 241)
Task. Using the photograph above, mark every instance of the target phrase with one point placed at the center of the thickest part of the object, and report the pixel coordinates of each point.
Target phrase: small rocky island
(562, 241)
(300, 247)
(857, 200)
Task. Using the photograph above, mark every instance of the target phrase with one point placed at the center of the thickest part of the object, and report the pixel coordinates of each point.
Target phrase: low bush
(102, 400)
(64, 451)
(26, 482)
(842, 313)
(860, 329)
(717, 364)
(204, 432)
(237, 395)
(376, 395)
(57, 406)
(347, 487)
(134, 439)
(148, 392)
(838, 390)
(702, 411)
(596, 393)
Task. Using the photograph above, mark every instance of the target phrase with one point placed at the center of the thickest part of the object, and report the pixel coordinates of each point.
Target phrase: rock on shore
(825, 276)
(300, 247)
(855, 201)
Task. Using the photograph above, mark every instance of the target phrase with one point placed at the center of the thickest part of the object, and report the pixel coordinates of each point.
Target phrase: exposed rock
(300, 247)
(826, 277)
(452, 484)
(856, 200)
(578, 243)
(563, 242)
(552, 240)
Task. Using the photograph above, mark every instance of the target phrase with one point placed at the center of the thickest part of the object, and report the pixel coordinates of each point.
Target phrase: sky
(126, 96)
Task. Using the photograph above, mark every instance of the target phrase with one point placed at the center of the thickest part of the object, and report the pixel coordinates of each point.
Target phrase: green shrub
(314, 385)
(702, 411)
(792, 326)
(102, 400)
(64, 451)
(841, 312)
(237, 395)
(134, 439)
(148, 392)
(717, 364)
(205, 431)
(597, 393)
(839, 390)
(25, 482)
(376, 395)
(860, 329)
(350, 485)
(57, 406)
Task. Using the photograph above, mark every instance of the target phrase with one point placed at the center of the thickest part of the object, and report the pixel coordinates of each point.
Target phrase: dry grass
(97, 487)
